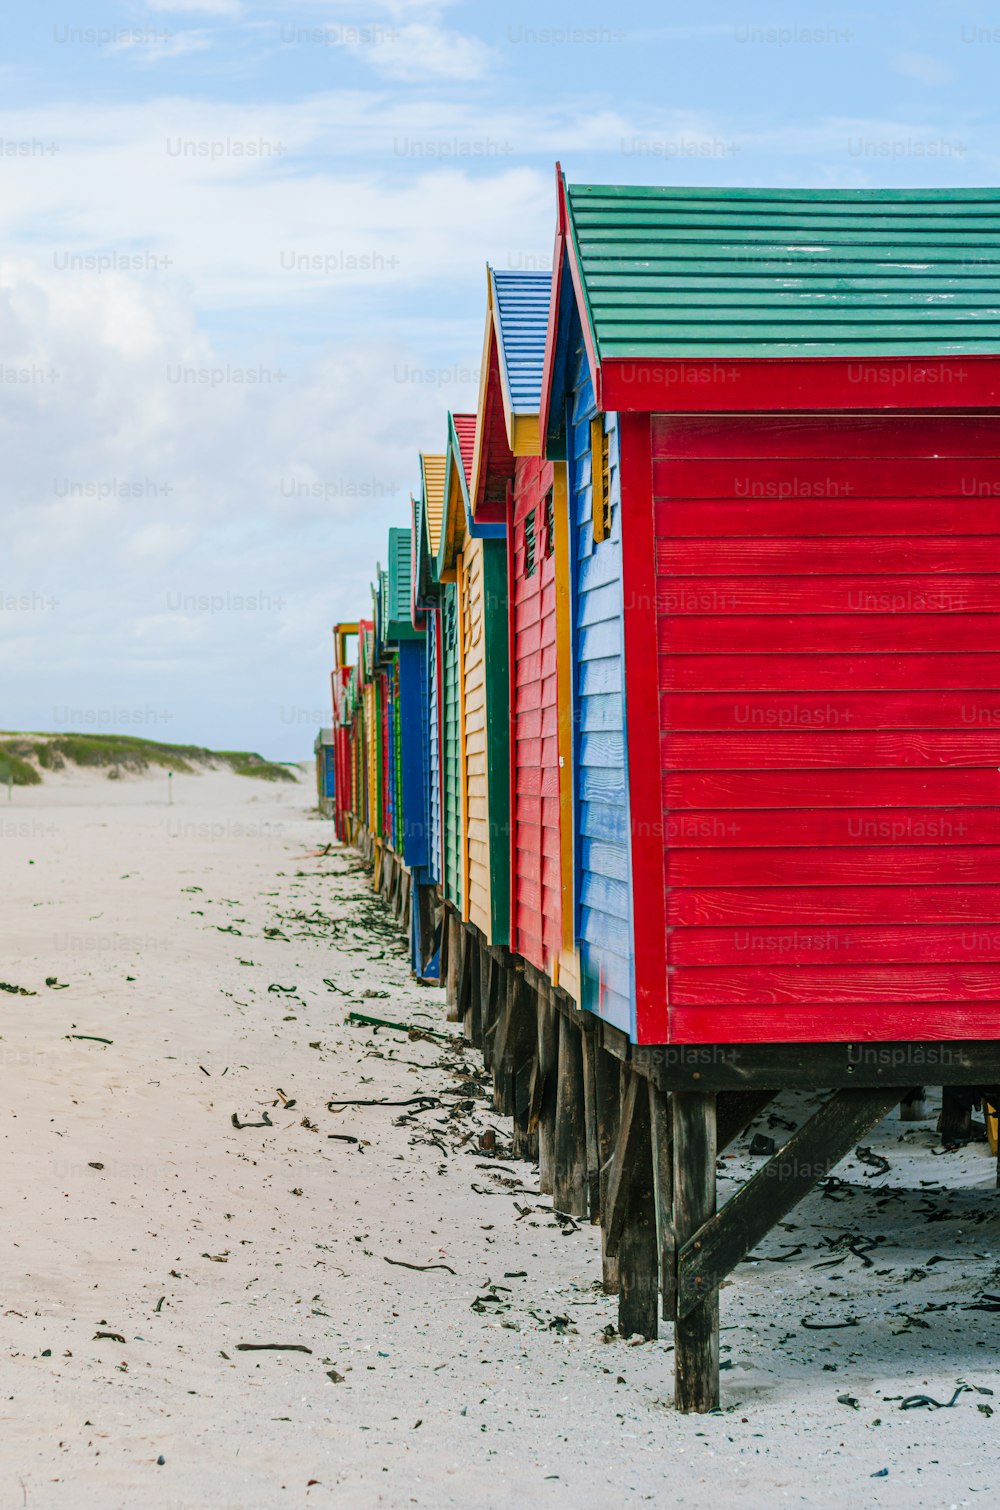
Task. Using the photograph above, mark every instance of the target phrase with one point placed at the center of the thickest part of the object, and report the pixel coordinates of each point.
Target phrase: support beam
(713, 1247)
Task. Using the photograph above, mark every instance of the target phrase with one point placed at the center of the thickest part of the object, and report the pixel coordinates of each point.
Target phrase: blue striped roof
(522, 303)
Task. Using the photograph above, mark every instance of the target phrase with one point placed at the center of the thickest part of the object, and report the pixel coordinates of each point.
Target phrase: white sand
(440, 1404)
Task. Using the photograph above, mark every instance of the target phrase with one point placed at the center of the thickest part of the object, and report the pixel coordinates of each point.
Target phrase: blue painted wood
(433, 750)
(412, 702)
(602, 853)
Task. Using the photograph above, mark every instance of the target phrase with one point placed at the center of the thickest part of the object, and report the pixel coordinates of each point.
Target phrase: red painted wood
(703, 436)
(874, 865)
(828, 673)
(818, 479)
(777, 385)
(735, 712)
(832, 827)
(827, 597)
(704, 633)
(812, 556)
(834, 945)
(924, 595)
(817, 906)
(847, 788)
(732, 518)
(877, 1023)
(535, 879)
(815, 985)
(836, 750)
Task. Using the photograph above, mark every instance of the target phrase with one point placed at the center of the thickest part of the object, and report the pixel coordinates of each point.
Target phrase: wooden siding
(475, 773)
(602, 855)
(451, 756)
(536, 925)
(828, 597)
(434, 745)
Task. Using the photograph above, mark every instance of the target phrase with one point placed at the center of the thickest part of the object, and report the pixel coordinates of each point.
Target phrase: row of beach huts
(672, 730)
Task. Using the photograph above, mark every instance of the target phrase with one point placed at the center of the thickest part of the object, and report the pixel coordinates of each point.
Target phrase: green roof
(671, 273)
(399, 620)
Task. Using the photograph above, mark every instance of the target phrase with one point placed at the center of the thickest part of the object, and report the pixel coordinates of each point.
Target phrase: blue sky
(242, 280)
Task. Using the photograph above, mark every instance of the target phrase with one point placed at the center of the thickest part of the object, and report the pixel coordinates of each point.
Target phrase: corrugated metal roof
(672, 273)
(432, 471)
(522, 305)
(465, 429)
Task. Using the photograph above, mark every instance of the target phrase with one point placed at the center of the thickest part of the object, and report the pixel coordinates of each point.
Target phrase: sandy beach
(193, 963)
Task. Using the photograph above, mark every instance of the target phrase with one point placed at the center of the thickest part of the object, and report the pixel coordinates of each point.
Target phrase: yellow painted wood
(433, 470)
(523, 432)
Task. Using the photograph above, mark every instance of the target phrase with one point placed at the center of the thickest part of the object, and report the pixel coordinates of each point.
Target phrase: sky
(242, 281)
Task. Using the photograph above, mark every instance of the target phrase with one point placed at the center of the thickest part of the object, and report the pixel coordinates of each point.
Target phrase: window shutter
(600, 477)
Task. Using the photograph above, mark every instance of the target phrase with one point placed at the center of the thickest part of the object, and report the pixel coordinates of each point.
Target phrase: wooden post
(955, 1125)
(638, 1248)
(661, 1149)
(453, 935)
(914, 1107)
(696, 1335)
(543, 1095)
(570, 1187)
(588, 1045)
(470, 998)
(607, 1102)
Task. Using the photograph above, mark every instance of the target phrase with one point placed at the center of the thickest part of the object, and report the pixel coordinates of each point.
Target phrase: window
(529, 544)
(550, 523)
(600, 474)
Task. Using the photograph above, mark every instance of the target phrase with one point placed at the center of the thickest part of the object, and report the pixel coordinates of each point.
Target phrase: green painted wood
(399, 619)
(397, 761)
(452, 816)
(498, 716)
(815, 272)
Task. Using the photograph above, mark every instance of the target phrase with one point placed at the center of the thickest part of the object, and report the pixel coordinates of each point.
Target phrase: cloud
(922, 67)
(205, 7)
(153, 47)
(420, 49)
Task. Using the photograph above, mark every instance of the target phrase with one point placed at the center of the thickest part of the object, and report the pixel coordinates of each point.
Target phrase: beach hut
(324, 753)
(513, 485)
(344, 689)
(472, 556)
(778, 412)
(425, 611)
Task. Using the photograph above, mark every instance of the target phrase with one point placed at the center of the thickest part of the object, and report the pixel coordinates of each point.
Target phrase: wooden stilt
(543, 1092)
(570, 1187)
(588, 1044)
(607, 1099)
(630, 1217)
(469, 999)
(696, 1333)
(493, 992)
(914, 1107)
(453, 929)
(955, 1124)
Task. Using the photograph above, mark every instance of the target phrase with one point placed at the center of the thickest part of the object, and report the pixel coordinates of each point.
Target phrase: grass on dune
(20, 754)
